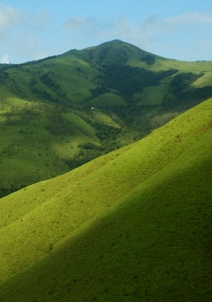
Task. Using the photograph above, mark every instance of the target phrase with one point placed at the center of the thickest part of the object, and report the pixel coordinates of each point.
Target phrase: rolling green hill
(132, 225)
(62, 111)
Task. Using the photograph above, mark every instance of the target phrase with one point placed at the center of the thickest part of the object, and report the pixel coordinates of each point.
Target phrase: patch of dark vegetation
(181, 96)
(4, 67)
(148, 59)
(3, 77)
(90, 146)
(58, 125)
(87, 152)
(48, 81)
(4, 191)
(104, 132)
(130, 80)
(43, 94)
(181, 81)
(202, 93)
(54, 94)
(98, 91)
(82, 158)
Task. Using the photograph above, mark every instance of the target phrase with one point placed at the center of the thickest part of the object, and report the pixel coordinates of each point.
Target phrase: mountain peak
(112, 52)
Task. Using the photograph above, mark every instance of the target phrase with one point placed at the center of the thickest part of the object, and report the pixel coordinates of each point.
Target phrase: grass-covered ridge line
(132, 225)
(47, 126)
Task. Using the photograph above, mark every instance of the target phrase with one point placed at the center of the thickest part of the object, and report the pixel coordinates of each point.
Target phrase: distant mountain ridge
(60, 112)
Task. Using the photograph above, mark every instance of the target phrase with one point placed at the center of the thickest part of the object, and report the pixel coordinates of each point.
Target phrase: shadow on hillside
(153, 246)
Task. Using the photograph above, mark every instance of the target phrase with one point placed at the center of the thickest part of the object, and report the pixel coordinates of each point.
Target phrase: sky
(31, 30)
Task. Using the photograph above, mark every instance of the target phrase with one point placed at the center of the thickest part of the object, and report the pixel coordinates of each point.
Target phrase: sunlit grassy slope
(133, 225)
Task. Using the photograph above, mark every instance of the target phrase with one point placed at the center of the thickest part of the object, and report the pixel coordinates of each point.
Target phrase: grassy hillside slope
(39, 142)
(133, 225)
(47, 126)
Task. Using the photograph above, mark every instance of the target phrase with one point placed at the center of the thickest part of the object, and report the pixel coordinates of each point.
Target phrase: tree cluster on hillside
(129, 80)
(182, 96)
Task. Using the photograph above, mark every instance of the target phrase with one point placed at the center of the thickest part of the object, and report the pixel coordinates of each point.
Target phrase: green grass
(46, 118)
(151, 95)
(108, 100)
(133, 225)
(205, 80)
(37, 141)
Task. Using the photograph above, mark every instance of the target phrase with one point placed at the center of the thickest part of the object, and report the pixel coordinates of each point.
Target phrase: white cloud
(154, 25)
(84, 24)
(9, 17)
(123, 28)
(85, 31)
(43, 18)
(34, 36)
(190, 19)
(75, 23)
(5, 59)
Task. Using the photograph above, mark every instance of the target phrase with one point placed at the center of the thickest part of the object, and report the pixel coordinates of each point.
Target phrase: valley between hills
(105, 177)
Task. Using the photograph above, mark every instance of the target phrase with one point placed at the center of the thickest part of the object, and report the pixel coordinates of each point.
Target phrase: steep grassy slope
(47, 126)
(39, 142)
(133, 225)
